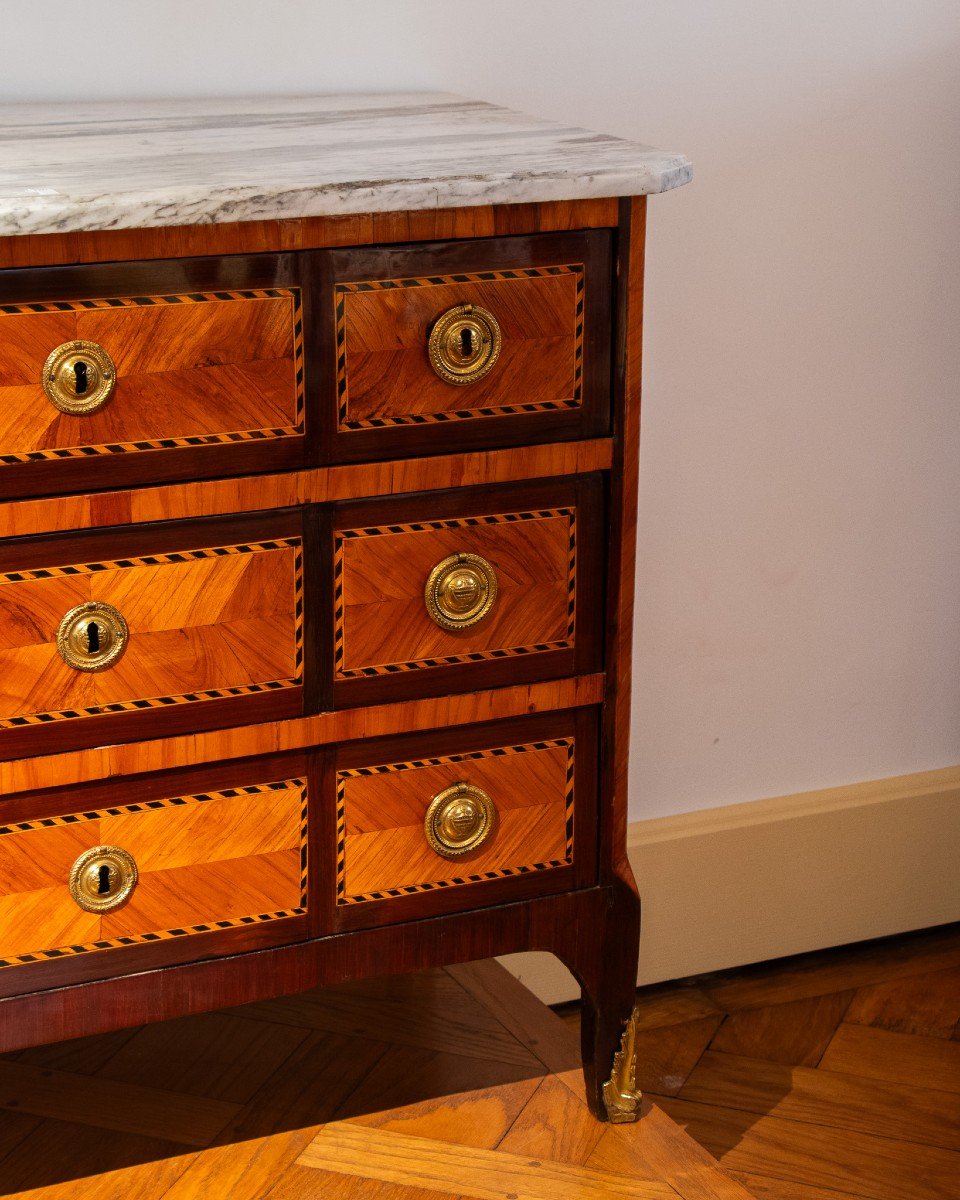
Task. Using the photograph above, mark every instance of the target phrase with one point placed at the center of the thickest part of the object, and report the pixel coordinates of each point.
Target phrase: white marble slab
(186, 162)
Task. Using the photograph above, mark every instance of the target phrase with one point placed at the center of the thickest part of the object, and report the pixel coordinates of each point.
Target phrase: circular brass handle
(103, 878)
(92, 636)
(460, 591)
(460, 819)
(464, 344)
(79, 377)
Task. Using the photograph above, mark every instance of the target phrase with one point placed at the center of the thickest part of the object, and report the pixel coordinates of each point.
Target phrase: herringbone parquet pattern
(834, 1076)
(825, 1077)
(455, 1083)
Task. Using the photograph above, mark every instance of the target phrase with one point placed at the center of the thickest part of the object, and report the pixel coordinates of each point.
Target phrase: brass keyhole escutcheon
(92, 636)
(79, 377)
(459, 819)
(460, 591)
(464, 344)
(103, 878)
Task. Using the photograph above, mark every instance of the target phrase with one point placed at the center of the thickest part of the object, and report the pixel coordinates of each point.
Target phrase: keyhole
(103, 880)
(466, 342)
(93, 646)
(80, 382)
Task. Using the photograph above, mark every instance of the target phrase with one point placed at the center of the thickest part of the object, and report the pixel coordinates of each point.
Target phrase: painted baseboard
(750, 882)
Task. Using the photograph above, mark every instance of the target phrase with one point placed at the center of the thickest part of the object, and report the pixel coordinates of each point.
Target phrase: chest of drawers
(317, 510)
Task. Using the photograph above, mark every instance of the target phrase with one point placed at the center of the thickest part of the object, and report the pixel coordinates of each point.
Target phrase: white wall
(798, 619)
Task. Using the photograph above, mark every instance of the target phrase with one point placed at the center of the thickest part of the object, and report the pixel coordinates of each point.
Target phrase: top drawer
(461, 345)
(147, 372)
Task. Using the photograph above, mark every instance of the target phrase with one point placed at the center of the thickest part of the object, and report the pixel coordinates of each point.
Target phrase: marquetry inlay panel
(381, 623)
(193, 369)
(203, 624)
(382, 852)
(206, 862)
(385, 379)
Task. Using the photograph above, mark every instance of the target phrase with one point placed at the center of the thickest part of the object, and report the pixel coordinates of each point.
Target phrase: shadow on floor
(142, 1102)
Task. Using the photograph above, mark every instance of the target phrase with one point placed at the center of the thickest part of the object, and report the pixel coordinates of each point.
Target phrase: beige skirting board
(749, 882)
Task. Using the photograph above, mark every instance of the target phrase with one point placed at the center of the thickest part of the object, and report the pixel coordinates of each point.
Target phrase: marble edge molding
(338, 162)
(186, 206)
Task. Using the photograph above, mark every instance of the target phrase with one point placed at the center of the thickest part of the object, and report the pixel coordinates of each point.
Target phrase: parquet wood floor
(455, 1083)
(822, 1077)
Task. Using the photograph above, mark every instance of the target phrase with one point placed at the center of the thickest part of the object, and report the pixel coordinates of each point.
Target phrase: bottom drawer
(465, 818)
(219, 853)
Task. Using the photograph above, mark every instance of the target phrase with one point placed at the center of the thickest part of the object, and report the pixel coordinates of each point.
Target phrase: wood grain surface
(609, 1000)
(622, 560)
(37, 911)
(250, 237)
(555, 397)
(202, 860)
(539, 771)
(401, 1089)
(385, 326)
(210, 356)
(188, 366)
(544, 542)
(92, 997)
(380, 572)
(551, 294)
(381, 810)
(200, 619)
(318, 485)
(818, 1077)
(102, 762)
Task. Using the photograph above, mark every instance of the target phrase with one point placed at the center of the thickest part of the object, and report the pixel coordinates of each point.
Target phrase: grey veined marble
(188, 162)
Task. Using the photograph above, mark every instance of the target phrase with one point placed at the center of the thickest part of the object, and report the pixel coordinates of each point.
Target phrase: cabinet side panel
(624, 481)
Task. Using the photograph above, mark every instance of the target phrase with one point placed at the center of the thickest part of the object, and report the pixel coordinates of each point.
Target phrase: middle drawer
(149, 631)
(458, 590)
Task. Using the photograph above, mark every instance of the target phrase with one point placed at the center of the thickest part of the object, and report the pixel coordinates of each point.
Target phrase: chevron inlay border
(342, 290)
(204, 439)
(298, 785)
(370, 670)
(457, 880)
(178, 556)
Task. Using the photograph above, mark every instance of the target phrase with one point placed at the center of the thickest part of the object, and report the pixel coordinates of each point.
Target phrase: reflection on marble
(188, 162)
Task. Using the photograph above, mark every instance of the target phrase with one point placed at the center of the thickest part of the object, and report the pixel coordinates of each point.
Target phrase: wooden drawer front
(205, 862)
(191, 369)
(207, 620)
(383, 329)
(381, 810)
(549, 298)
(538, 552)
(207, 378)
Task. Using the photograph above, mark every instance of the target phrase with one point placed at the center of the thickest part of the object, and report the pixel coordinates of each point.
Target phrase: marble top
(187, 162)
